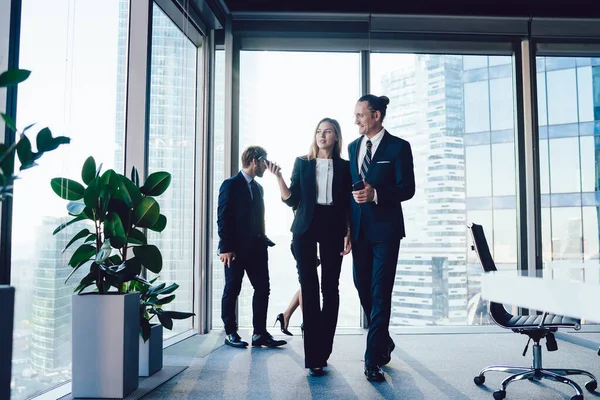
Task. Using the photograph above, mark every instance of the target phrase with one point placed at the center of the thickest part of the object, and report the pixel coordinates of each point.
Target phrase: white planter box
(105, 345)
(151, 352)
(7, 314)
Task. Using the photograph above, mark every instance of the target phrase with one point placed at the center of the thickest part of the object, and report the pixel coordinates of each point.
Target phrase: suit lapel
(311, 179)
(243, 185)
(354, 160)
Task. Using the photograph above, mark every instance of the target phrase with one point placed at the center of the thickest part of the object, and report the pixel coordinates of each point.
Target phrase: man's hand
(347, 244)
(364, 195)
(227, 258)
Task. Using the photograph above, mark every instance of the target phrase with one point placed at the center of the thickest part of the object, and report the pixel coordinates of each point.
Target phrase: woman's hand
(275, 169)
(347, 244)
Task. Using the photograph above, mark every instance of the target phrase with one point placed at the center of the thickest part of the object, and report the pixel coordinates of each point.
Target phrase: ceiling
(522, 8)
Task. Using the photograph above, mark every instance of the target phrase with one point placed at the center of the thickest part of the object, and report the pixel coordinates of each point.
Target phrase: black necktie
(364, 168)
(254, 192)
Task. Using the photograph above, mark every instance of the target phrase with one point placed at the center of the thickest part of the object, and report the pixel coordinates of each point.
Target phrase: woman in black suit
(320, 189)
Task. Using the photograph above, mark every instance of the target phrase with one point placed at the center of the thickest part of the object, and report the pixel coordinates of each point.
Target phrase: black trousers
(374, 276)
(255, 264)
(319, 322)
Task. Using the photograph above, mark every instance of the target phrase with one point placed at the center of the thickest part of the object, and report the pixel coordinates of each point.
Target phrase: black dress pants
(374, 277)
(319, 322)
(255, 264)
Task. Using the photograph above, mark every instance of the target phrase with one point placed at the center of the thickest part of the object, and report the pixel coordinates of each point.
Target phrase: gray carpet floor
(440, 366)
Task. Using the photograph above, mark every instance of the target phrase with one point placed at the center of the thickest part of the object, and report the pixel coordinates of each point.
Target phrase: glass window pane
(472, 62)
(503, 168)
(477, 107)
(435, 284)
(501, 98)
(590, 164)
(171, 149)
(566, 233)
(77, 57)
(564, 165)
(591, 238)
(544, 168)
(541, 99)
(478, 171)
(585, 96)
(561, 89)
(218, 275)
(282, 97)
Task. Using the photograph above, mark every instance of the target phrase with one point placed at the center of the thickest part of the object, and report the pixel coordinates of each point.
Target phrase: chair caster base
(591, 386)
(479, 380)
(499, 394)
(577, 397)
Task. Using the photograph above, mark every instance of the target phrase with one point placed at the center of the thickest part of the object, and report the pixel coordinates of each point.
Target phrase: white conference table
(569, 289)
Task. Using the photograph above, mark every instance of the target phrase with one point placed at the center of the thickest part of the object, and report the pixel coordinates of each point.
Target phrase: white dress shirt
(375, 140)
(324, 174)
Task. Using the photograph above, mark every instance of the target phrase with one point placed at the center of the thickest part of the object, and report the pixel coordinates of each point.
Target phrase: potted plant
(152, 299)
(27, 158)
(113, 251)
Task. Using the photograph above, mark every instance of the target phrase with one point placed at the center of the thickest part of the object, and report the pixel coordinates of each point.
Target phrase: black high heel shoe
(302, 330)
(282, 322)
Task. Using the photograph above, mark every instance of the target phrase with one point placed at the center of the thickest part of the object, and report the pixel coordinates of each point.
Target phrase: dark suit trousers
(374, 276)
(255, 264)
(319, 323)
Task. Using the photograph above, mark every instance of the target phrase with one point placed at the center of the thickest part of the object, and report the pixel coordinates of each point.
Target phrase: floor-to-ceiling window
(218, 168)
(569, 153)
(171, 148)
(283, 95)
(76, 53)
(457, 113)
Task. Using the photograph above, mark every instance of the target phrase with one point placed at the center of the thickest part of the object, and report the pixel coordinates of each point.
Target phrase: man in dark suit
(243, 248)
(383, 164)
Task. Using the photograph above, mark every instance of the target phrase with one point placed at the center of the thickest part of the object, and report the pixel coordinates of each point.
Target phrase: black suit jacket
(304, 193)
(236, 216)
(391, 173)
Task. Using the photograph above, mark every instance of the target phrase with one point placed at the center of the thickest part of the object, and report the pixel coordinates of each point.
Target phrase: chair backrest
(481, 247)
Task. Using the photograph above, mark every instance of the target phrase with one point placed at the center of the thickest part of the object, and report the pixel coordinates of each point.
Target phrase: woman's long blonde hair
(337, 147)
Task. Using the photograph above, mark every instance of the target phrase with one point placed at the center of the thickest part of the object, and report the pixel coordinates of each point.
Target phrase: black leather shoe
(374, 373)
(265, 339)
(316, 371)
(234, 340)
(388, 357)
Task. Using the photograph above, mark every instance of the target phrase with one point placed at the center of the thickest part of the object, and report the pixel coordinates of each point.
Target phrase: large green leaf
(165, 300)
(67, 189)
(88, 172)
(160, 225)
(64, 225)
(178, 314)
(12, 125)
(119, 207)
(103, 253)
(156, 288)
(7, 161)
(137, 237)
(133, 268)
(46, 142)
(13, 77)
(83, 252)
(164, 319)
(156, 184)
(82, 233)
(113, 230)
(168, 290)
(76, 267)
(146, 213)
(150, 257)
(75, 208)
(92, 193)
(26, 156)
(135, 177)
(129, 192)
